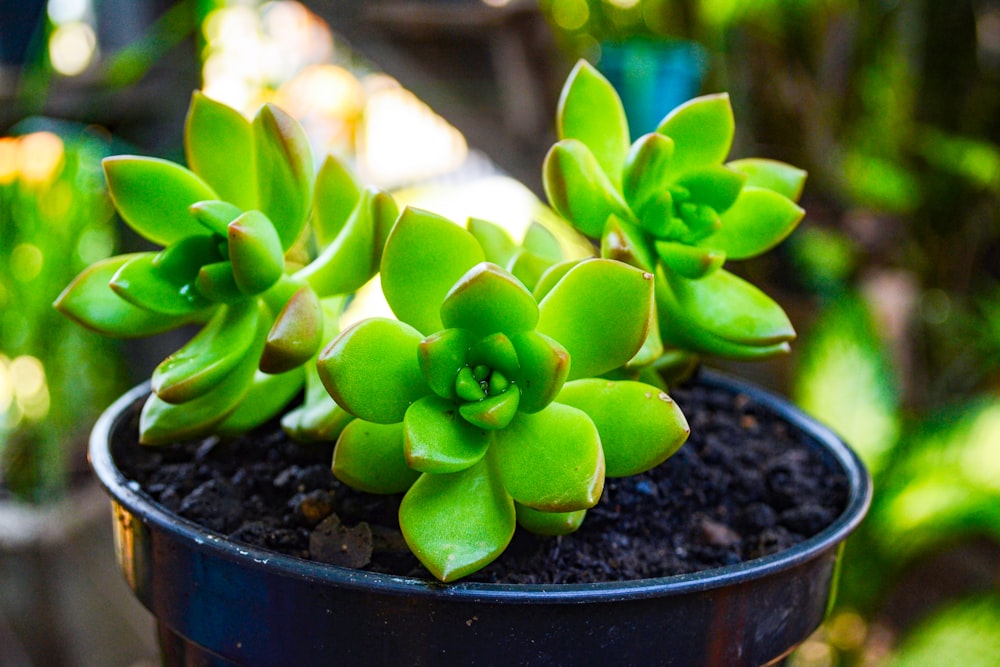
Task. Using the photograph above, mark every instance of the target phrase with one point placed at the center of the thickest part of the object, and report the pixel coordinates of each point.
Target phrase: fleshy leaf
(208, 357)
(335, 196)
(702, 130)
(759, 220)
(614, 299)
(771, 174)
(369, 457)
(541, 242)
(255, 252)
(716, 186)
(442, 355)
(689, 261)
(319, 418)
(496, 351)
(423, 258)
(578, 189)
(551, 460)
(140, 283)
(640, 426)
(215, 215)
(528, 267)
(296, 334)
(625, 242)
(544, 367)
(284, 172)
(551, 277)
(354, 255)
(180, 262)
(590, 110)
(438, 440)
(217, 283)
(458, 522)
(90, 301)
(493, 412)
(371, 369)
(497, 245)
(153, 196)
(548, 523)
(268, 396)
(218, 143)
(647, 168)
(487, 300)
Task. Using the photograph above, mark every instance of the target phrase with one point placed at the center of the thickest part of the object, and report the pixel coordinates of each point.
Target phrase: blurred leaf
(218, 143)
(965, 633)
(590, 111)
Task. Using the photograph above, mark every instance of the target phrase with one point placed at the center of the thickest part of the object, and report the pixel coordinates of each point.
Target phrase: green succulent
(482, 401)
(670, 205)
(235, 260)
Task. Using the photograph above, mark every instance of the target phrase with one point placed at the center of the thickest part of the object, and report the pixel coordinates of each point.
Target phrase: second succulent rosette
(483, 401)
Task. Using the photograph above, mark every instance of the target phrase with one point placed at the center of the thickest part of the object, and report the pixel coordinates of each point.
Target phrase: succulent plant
(482, 402)
(236, 261)
(670, 205)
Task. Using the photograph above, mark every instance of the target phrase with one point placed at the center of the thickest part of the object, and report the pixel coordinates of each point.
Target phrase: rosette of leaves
(481, 402)
(236, 261)
(669, 204)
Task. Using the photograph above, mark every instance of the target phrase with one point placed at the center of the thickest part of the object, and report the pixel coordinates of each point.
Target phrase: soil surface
(743, 486)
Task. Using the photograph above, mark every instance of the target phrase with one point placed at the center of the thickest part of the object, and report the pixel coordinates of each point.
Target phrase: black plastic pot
(218, 602)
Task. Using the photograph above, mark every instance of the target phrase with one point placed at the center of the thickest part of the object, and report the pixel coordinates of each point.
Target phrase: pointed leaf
(90, 301)
(497, 245)
(541, 242)
(771, 174)
(442, 355)
(577, 188)
(487, 300)
(218, 143)
(715, 186)
(459, 522)
(702, 130)
(551, 460)
(548, 523)
(153, 196)
(215, 215)
(369, 457)
(689, 261)
(614, 300)
(493, 412)
(590, 110)
(255, 252)
(759, 220)
(640, 426)
(652, 347)
(208, 357)
(625, 242)
(268, 396)
(423, 258)
(296, 334)
(284, 172)
(140, 283)
(371, 370)
(647, 168)
(438, 440)
(335, 196)
(354, 255)
(544, 367)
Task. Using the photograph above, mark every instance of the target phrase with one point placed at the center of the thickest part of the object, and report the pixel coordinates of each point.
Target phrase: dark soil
(743, 486)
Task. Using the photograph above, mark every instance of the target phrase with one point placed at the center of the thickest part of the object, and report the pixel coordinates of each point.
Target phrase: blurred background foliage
(893, 281)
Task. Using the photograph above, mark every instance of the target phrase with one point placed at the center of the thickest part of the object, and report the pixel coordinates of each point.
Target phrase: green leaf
(335, 197)
(140, 283)
(702, 130)
(215, 215)
(153, 196)
(216, 283)
(296, 334)
(496, 243)
(487, 300)
(551, 276)
(640, 425)
(319, 418)
(208, 357)
(689, 261)
(369, 457)
(494, 412)
(268, 396)
(497, 352)
(600, 312)
(442, 355)
(528, 267)
(551, 460)
(438, 440)
(544, 368)
(590, 110)
(423, 258)
(218, 143)
(773, 175)
(90, 301)
(255, 252)
(371, 370)
(759, 220)
(716, 186)
(577, 188)
(548, 523)
(647, 168)
(541, 242)
(354, 255)
(284, 172)
(180, 262)
(459, 522)
(624, 242)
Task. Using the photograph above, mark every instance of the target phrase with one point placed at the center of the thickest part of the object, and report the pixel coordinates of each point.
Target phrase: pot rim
(129, 495)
